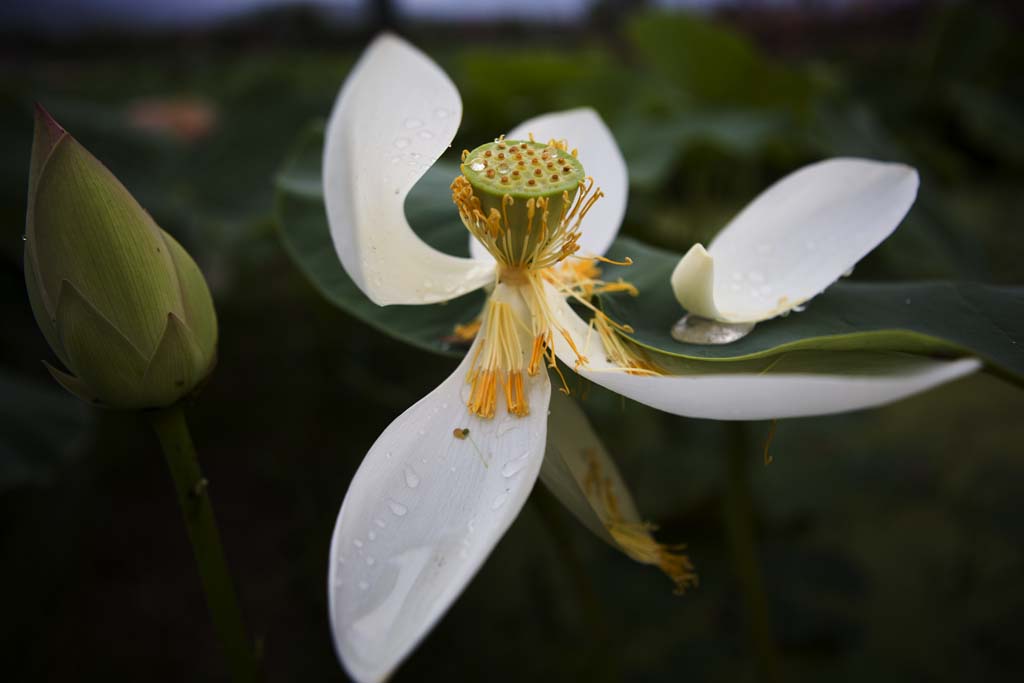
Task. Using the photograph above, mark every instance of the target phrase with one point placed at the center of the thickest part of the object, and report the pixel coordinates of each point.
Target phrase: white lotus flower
(448, 476)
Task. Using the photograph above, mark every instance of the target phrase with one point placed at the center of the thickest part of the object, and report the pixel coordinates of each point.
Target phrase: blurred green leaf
(652, 147)
(715, 65)
(943, 318)
(306, 236)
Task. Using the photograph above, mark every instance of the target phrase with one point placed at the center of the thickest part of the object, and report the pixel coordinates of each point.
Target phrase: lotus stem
(172, 431)
(738, 514)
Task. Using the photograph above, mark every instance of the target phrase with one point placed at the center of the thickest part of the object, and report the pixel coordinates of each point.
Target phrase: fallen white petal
(574, 456)
(396, 114)
(752, 396)
(598, 152)
(795, 239)
(422, 514)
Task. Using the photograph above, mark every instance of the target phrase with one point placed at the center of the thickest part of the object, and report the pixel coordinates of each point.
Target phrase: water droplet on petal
(413, 123)
(402, 143)
(380, 522)
(755, 276)
(363, 585)
(357, 543)
(370, 561)
(848, 272)
(514, 467)
(426, 134)
(441, 113)
(499, 500)
(397, 508)
(412, 480)
(372, 535)
(800, 308)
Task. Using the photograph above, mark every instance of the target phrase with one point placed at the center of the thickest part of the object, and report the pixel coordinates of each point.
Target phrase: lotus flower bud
(121, 303)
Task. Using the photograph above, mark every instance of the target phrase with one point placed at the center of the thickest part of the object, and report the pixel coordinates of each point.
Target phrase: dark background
(889, 541)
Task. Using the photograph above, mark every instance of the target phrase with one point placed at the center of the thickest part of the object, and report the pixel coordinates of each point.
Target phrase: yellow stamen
(620, 350)
(498, 361)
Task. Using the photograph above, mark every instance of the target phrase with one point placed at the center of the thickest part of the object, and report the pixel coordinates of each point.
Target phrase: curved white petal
(395, 116)
(795, 239)
(598, 152)
(421, 515)
(749, 396)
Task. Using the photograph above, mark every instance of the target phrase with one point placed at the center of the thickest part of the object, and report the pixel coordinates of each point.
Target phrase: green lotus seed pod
(522, 200)
(121, 303)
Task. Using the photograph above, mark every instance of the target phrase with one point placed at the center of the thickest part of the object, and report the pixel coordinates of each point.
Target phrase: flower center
(524, 201)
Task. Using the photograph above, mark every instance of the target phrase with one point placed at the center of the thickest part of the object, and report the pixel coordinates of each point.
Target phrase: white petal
(755, 396)
(421, 516)
(798, 237)
(395, 116)
(598, 152)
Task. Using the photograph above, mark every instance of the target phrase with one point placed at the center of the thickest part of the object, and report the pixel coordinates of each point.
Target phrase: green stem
(738, 511)
(172, 431)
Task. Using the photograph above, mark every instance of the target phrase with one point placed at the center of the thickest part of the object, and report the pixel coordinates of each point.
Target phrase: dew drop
(848, 272)
(388, 455)
(363, 585)
(414, 155)
(401, 143)
(24, 238)
(380, 522)
(477, 166)
(370, 561)
(441, 113)
(372, 535)
(413, 123)
(425, 134)
(755, 276)
(357, 543)
(397, 508)
(514, 467)
(800, 308)
(499, 500)
(412, 480)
